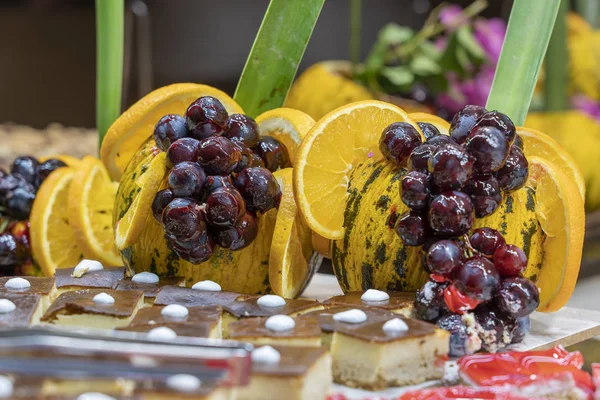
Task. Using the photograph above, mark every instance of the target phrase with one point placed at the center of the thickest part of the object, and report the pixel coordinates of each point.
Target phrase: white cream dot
(266, 355)
(6, 306)
(353, 316)
(280, 323)
(175, 311)
(85, 266)
(145, 277)
(208, 286)
(374, 295)
(271, 300)
(94, 396)
(395, 325)
(183, 383)
(104, 298)
(6, 387)
(17, 284)
(162, 333)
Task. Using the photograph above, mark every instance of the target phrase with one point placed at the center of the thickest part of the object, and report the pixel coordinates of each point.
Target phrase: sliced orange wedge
(341, 140)
(538, 144)
(136, 125)
(560, 211)
(441, 124)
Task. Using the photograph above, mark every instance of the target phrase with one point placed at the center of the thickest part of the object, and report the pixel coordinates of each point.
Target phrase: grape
(215, 182)
(429, 130)
(225, 207)
(451, 167)
(464, 121)
(477, 278)
(459, 337)
(513, 175)
(443, 257)
(242, 129)
(45, 169)
(184, 220)
(521, 329)
(486, 241)
(197, 251)
(161, 200)
(495, 328)
(259, 188)
(419, 158)
(218, 156)
(441, 140)
(398, 141)
(429, 301)
(500, 121)
(248, 159)
(273, 153)
(485, 194)
(26, 168)
(183, 150)
(11, 252)
(19, 201)
(186, 179)
(517, 297)
(489, 147)
(451, 213)
(510, 260)
(169, 129)
(206, 117)
(239, 236)
(415, 190)
(412, 228)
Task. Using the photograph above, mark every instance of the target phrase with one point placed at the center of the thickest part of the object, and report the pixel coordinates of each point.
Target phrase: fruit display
(200, 196)
(18, 189)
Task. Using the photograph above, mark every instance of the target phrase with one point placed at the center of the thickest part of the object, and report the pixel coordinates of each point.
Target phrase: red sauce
(457, 302)
(460, 392)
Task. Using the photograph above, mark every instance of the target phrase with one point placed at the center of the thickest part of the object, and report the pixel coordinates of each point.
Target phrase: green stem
(109, 62)
(355, 27)
(529, 29)
(278, 48)
(555, 83)
(589, 9)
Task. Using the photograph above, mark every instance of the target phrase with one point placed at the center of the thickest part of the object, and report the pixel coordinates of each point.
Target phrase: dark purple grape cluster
(220, 179)
(452, 180)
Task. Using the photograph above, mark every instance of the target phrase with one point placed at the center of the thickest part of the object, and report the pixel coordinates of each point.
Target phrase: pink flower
(451, 16)
(490, 33)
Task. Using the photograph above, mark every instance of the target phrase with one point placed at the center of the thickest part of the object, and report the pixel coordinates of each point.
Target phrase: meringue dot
(353, 316)
(87, 266)
(266, 355)
(208, 286)
(6, 387)
(162, 333)
(145, 277)
(374, 295)
(94, 396)
(271, 300)
(395, 325)
(280, 323)
(7, 306)
(175, 311)
(103, 298)
(183, 383)
(17, 284)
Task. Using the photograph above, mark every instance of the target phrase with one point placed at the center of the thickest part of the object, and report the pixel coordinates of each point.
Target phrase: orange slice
(538, 144)
(136, 125)
(287, 125)
(337, 143)
(291, 246)
(560, 211)
(67, 159)
(91, 200)
(441, 124)
(52, 236)
(129, 228)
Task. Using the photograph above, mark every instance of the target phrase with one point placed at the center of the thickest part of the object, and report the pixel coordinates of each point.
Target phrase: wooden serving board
(565, 327)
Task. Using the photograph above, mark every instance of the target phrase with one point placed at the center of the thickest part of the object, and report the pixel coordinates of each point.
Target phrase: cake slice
(290, 373)
(183, 387)
(149, 283)
(397, 302)
(376, 354)
(305, 332)
(44, 287)
(192, 297)
(20, 310)
(95, 308)
(198, 322)
(89, 388)
(88, 274)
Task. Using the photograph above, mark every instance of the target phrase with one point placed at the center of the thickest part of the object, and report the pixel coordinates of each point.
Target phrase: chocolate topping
(397, 300)
(295, 361)
(197, 330)
(249, 307)
(26, 305)
(328, 324)
(197, 316)
(255, 327)
(39, 285)
(81, 302)
(150, 289)
(104, 278)
(192, 297)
